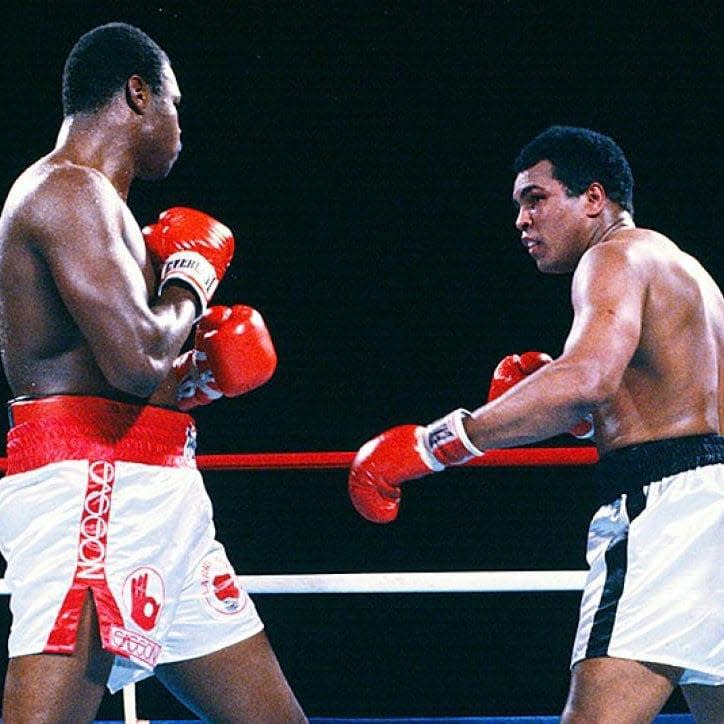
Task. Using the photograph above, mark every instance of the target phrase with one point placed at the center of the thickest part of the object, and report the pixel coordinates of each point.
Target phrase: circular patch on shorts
(219, 586)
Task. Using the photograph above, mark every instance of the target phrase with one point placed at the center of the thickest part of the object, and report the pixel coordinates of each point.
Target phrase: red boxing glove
(193, 248)
(514, 368)
(233, 354)
(405, 453)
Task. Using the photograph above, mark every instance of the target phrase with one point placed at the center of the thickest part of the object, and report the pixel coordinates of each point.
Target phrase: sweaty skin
(645, 350)
(79, 314)
(645, 356)
(78, 318)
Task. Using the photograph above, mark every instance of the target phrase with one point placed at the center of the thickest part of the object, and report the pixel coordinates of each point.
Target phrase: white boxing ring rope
(441, 582)
(402, 582)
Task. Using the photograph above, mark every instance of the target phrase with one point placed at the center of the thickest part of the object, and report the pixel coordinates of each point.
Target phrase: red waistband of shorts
(76, 427)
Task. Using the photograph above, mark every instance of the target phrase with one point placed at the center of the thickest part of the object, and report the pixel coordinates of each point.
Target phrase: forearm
(146, 344)
(544, 405)
(173, 315)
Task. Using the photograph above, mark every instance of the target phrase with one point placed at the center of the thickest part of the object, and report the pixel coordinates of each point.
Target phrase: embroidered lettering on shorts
(94, 519)
(135, 646)
(90, 570)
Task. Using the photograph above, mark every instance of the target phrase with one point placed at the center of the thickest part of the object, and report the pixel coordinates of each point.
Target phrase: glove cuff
(445, 442)
(194, 271)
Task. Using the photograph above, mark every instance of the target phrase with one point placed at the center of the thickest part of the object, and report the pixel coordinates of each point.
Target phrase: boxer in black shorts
(645, 358)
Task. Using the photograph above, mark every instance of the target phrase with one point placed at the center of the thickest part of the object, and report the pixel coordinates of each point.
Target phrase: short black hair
(103, 60)
(579, 157)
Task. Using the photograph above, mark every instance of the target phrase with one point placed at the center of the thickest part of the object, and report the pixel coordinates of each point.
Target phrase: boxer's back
(673, 386)
(43, 350)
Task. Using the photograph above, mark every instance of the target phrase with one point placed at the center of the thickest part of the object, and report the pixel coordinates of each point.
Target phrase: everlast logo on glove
(405, 452)
(447, 441)
(439, 436)
(191, 267)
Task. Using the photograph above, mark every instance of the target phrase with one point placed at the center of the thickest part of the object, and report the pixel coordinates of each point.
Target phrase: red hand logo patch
(143, 596)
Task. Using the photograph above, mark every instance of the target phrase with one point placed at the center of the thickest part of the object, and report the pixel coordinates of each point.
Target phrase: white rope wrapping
(440, 582)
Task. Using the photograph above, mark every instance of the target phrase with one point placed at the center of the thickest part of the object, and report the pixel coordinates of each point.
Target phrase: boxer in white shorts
(643, 364)
(108, 497)
(655, 589)
(112, 562)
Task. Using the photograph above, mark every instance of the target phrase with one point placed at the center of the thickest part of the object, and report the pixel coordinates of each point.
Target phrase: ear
(595, 198)
(138, 94)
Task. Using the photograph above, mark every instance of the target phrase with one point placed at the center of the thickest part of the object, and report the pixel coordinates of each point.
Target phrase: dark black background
(361, 153)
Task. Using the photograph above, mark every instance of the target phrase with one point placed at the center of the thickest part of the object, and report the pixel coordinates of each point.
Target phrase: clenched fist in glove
(404, 453)
(514, 368)
(193, 248)
(233, 354)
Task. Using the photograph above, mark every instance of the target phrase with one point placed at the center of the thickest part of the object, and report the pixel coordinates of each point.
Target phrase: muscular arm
(608, 298)
(84, 234)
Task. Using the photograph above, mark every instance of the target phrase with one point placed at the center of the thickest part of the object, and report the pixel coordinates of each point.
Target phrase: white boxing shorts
(655, 589)
(105, 497)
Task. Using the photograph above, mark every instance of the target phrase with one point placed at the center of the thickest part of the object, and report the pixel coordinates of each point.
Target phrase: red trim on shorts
(90, 573)
(102, 432)
(70, 427)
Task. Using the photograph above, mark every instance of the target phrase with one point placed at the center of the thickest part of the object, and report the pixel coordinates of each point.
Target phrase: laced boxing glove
(514, 368)
(233, 354)
(193, 248)
(404, 453)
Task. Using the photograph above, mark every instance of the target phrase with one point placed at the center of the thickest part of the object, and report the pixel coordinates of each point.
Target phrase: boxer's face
(161, 138)
(552, 223)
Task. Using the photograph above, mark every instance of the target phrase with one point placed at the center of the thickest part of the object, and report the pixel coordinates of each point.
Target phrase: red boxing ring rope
(510, 457)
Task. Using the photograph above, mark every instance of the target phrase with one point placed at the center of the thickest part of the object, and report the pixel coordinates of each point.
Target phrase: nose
(522, 222)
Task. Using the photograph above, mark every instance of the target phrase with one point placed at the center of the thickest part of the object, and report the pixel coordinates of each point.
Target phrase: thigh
(240, 683)
(705, 702)
(618, 691)
(59, 688)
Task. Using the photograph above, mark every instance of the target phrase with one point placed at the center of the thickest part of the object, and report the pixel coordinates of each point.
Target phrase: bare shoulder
(610, 258)
(630, 251)
(617, 271)
(656, 252)
(50, 199)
